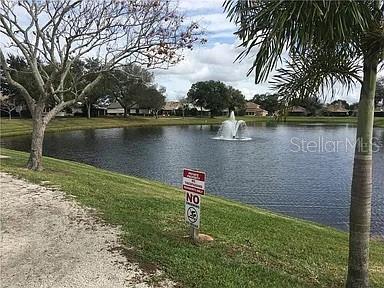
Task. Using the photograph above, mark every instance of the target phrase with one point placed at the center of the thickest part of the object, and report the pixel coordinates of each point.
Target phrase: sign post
(194, 187)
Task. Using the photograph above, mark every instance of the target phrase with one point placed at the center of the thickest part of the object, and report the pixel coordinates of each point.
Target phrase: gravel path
(50, 241)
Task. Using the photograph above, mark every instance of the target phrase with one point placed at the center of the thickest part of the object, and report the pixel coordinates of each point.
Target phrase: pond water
(304, 170)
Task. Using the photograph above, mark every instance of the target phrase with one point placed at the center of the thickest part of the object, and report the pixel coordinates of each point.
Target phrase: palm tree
(327, 40)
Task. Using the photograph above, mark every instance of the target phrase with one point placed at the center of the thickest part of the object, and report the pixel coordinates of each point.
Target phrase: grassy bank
(252, 248)
(16, 127)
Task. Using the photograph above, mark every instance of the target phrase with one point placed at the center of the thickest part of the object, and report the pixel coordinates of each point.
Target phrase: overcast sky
(215, 59)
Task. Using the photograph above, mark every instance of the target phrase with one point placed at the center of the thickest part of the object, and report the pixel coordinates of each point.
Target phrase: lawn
(252, 247)
(16, 127)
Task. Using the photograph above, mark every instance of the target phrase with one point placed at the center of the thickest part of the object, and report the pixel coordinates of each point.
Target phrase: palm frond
(272, 27)
(316, 73)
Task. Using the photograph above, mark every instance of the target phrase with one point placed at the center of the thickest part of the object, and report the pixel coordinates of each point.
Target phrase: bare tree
(7, 104)
(55, 33)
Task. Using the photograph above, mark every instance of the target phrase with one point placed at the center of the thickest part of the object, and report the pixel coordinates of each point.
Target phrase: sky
(215, 59)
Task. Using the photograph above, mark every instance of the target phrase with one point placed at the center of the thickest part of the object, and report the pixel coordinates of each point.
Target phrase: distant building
(297, 111)
(115, 109)
(337, 109)
(170, 108)
(74, 110)
(253, 109)
(379, 112)
(197, 110)
(139, 111)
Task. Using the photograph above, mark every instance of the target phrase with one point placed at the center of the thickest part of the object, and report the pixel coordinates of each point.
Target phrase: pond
(303, 170)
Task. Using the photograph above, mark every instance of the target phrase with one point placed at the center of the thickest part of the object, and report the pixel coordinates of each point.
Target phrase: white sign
(194, 187)
(192, 209)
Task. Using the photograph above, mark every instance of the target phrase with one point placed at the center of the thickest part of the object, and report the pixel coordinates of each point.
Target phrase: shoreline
(19, 127)
(277, 249)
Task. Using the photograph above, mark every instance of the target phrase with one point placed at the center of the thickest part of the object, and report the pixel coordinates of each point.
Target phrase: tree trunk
(89, 111)
(10, 115)
(125, 112)
(361, 191)
(35, 157)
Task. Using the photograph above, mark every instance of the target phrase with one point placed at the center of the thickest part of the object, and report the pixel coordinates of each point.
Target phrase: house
(297, 111)
(170, 108)
(197, 110)
(98, 110)
(139, 111)
(337, 109)
(253, 109)
(115, 109)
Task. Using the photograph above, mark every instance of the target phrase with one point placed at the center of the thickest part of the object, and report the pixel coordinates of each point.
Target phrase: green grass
(17, 127)
(252, 247)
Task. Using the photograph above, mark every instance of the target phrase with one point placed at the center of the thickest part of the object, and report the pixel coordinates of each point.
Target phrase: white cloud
(200, 5)
(215, 22)
(209, 63)
(216, 62)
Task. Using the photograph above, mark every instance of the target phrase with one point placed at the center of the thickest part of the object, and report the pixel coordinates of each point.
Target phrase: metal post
(194, 233)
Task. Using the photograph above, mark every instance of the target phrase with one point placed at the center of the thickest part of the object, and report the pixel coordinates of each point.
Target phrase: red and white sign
(194, 187)
(194, 181)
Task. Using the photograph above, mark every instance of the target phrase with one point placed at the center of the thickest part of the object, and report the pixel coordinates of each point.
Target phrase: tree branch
(30, 101)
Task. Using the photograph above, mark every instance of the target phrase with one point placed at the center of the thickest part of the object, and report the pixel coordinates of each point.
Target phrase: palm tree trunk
(361, 191)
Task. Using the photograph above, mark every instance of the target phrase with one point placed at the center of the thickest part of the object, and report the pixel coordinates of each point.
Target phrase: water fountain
(233, 129)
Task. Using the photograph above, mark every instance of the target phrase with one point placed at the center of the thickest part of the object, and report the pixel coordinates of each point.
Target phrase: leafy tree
(128, 84)
(198, 95)
(354, 106)
(82, 73)
(341, 102)
(7, 104)
(55, 34)
(379, 96)
(184, 105)
(153, 99)
(327, 41)
(19, 70)
(269, 102)
(91, 66)
(311, 104)
(236, 101)
(212, 95)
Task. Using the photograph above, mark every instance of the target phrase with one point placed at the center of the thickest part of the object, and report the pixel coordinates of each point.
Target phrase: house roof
(336, 108)
(297, 109)
(253, 107)
(171, 105)
(115, 105)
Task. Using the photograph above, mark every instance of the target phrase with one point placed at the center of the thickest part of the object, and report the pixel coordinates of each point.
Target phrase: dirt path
(50, 241)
